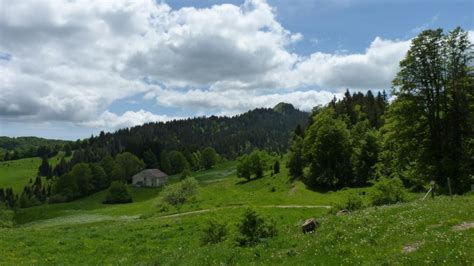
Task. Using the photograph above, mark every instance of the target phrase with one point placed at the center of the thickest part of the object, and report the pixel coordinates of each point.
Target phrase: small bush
(179, 193)
(164, 207)
(214, 232)
(352, 203)
(185, 174)
(254, 228)
(118, 193)
(388, 191)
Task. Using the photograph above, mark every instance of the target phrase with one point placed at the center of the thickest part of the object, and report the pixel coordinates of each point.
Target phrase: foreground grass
(89, 232)
(371, 236)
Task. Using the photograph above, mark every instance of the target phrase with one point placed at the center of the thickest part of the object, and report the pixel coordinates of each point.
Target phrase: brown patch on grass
(408, 248)
(463, 226)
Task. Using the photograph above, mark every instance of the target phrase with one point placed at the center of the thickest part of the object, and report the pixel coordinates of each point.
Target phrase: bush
(214, 232)
(118, 193)
(179, 193)
(388, 191)
(185, 174)
(254, 228)
(352, 203)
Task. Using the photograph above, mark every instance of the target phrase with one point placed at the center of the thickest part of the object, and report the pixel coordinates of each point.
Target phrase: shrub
(352, 203)
(185, 174)
(388, 191)
(118, 193)
(214, 232)
(179, 193)
(254, 228)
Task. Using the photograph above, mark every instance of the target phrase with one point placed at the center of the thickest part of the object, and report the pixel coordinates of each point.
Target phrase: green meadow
(85, 231)
(17, 173)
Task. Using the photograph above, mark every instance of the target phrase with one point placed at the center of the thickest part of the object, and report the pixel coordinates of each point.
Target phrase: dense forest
(262, 128)
(424, 134)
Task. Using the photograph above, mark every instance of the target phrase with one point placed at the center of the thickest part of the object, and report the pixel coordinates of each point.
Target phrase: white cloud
(374, 69)
(70, 60)
(232, 102)
(110, 121)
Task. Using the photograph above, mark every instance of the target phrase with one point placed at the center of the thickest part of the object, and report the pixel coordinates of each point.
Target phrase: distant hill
(263, 128)
(24, 147)
(25, 143)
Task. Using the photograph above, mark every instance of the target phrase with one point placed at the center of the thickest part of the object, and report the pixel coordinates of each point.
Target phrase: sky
(69, 69)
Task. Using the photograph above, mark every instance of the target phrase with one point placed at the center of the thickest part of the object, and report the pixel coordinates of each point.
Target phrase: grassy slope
(90, 232)
(17, 173)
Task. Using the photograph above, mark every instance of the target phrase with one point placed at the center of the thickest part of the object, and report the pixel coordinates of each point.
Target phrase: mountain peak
(284, 107)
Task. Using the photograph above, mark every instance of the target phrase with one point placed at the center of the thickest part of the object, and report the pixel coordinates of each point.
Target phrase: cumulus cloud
(110, 121)
(374, 69)
(232, 102)
(69, 61)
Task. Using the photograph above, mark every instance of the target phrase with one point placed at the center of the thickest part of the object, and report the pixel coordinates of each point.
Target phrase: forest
(424, 134)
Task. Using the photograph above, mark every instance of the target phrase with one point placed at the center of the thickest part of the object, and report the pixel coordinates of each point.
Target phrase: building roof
(157, 173)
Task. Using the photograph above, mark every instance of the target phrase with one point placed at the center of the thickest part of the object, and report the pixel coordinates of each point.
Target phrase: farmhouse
(150, 178)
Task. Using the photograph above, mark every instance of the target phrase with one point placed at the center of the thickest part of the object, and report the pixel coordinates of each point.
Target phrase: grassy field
(17, 173)
(88, 232)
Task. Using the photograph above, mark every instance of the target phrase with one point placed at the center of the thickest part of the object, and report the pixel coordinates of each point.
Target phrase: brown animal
(310, 225)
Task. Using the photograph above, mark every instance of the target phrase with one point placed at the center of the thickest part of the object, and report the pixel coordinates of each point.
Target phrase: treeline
(262, 128)
(26, 147)
(424, 134)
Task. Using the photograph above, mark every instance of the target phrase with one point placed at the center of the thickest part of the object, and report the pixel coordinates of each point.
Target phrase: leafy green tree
(130, 164)
(165, 164)
(99, 179)
(253, 164)
(327, 148)
(258, 162)
(177, 161)
(208, 157)
(428, 133)
(150, 159)
(118, 193)
(365, 152)
(108, 164)
(244, 167)
(118, 173)
(295, 162)
(82, 175)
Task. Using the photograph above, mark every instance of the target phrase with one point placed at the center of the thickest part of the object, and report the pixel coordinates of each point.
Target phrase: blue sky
(69, 70)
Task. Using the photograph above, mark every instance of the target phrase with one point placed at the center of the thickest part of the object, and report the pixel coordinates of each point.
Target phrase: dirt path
(233, 207)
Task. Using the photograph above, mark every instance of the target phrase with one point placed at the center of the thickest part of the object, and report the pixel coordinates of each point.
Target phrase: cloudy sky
(71, 68)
